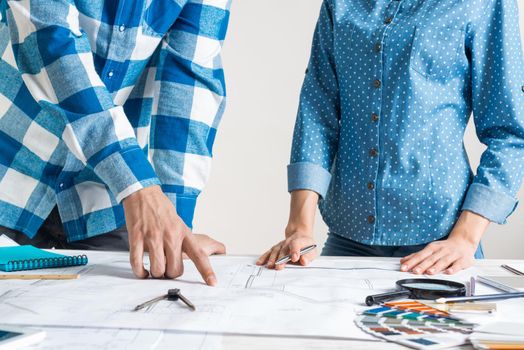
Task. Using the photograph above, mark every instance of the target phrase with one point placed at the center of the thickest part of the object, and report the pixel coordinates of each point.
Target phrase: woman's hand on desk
(448, 256)
(453, 254)
(290, 246)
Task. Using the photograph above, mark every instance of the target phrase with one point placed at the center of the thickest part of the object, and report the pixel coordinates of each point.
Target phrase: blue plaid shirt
(99, 99)
(390, 87)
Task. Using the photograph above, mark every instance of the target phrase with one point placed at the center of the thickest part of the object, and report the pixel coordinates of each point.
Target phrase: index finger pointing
(201, 261)
(204, 267)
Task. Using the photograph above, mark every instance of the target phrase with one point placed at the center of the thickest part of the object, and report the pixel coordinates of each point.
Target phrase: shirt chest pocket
(438, 53)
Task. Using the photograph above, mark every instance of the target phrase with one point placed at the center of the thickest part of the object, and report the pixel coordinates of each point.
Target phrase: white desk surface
(59, 337)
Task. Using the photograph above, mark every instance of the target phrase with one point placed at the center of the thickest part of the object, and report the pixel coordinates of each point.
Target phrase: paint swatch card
(415, 326)
(417, 306)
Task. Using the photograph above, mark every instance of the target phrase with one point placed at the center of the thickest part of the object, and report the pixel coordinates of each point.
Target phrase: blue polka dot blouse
(387, 95)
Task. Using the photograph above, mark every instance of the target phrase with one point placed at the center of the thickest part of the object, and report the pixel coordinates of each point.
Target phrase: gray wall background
(245, 204)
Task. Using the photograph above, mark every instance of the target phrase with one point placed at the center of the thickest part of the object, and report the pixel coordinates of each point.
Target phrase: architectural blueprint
(124, 339)
(320, 300)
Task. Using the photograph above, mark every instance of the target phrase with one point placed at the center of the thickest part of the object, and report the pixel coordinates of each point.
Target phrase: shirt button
(377, 83)
(371, 219)
(61, 185)
(371, 185)
(373, 152)
(388, 20)
(374, 117)
(378, 47)
(522, 88)
(110, 73)
(121, 28)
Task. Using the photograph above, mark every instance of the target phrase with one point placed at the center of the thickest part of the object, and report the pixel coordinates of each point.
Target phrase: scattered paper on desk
(499, 335)
(7, 242)
(508, 328)
(249, 299)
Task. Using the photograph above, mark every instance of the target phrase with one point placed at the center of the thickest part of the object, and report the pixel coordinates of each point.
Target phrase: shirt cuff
(308, 176)
(126, 171)
(493, 205)
(185, 205)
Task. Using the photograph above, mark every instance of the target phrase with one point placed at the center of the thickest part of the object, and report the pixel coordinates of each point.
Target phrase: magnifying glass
(420, 288)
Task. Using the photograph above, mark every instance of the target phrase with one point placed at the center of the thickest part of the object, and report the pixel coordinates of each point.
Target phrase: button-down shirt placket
(391, 14)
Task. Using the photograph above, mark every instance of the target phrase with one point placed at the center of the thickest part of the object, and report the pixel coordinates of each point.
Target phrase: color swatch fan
(415, 325)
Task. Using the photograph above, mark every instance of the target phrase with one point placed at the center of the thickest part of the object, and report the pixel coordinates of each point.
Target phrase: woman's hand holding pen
(292, 245)
(299, 232)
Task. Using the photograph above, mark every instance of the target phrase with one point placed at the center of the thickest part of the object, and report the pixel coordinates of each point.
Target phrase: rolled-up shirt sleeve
(315, 137)
(497, 90)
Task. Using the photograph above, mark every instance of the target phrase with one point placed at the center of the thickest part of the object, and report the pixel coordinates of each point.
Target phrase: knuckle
(174, 274)
(157, 273)
(200, 255)
(153, 236)
(179, 270)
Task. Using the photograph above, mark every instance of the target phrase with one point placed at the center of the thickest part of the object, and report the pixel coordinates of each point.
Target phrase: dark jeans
(51, 235)
(340, 246)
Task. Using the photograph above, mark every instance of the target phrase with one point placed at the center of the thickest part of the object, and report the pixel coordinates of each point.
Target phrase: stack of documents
(500, 335)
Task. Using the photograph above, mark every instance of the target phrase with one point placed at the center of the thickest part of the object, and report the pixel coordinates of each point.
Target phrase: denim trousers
(337, 245)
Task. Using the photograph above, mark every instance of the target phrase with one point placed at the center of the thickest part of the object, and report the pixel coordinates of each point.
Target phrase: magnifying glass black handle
(379, 298)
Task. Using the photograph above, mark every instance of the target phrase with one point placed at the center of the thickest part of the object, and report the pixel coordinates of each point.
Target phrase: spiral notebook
(27, 257)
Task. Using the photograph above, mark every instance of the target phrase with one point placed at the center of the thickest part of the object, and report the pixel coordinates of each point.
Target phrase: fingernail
(211, 281)
(431, 271)
(404, 267)
(416, 270)
(295, 257)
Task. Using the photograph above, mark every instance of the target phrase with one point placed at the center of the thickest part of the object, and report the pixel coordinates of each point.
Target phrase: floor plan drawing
(249, 299)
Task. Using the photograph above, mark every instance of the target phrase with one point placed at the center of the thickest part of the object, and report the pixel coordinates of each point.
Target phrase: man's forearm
(302, 211)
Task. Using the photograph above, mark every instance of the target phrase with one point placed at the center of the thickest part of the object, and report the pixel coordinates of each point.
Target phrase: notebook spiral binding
(19, 265)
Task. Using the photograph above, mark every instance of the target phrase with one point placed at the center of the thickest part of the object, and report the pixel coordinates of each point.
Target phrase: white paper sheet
(317, 301)
(7, 242)
(67, 338)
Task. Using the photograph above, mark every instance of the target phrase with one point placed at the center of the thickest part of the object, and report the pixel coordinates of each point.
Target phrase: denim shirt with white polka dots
(389, 90)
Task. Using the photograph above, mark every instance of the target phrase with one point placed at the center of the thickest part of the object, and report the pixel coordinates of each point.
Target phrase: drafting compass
(172, 295)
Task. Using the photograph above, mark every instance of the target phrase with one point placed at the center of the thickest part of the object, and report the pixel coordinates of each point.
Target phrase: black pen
(512, 270)
(303, 251)
(500, 296)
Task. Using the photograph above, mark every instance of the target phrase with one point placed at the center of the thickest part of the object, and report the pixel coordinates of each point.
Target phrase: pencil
(39, 277)
(499, 296)
(513, 270)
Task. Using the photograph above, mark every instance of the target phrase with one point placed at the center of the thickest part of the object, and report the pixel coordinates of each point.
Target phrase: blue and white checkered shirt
(99, 99)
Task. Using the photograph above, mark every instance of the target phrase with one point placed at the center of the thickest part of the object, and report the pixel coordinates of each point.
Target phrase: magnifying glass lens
(430, 286)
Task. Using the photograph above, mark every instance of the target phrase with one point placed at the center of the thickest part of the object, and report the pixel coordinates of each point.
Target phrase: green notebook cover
(27, 257)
